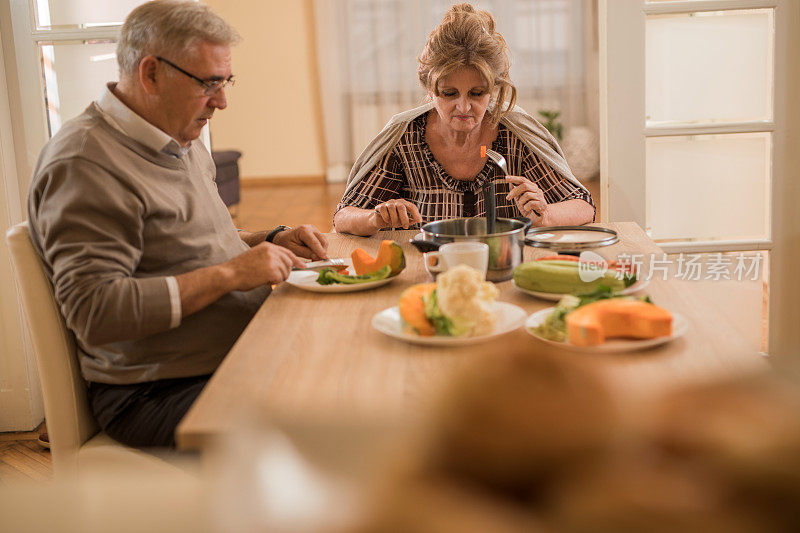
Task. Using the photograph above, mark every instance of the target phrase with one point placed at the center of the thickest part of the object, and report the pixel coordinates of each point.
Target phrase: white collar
(124, 119)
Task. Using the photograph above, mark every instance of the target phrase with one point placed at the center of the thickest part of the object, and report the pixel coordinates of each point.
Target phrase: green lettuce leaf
(444, 325)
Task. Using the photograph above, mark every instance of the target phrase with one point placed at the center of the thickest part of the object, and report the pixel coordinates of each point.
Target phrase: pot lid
(570, 238)
(473, 227)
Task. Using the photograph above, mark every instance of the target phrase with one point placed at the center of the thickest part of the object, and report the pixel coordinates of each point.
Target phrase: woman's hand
(395, 213)
(528, 197)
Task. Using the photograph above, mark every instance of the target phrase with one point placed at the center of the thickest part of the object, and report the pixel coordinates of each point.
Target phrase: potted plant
(580, 145)
(550, 121)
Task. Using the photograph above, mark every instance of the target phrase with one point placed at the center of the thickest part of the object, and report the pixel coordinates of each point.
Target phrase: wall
(273, 115)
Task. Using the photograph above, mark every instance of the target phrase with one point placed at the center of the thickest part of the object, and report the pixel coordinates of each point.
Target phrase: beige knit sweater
(112, 219)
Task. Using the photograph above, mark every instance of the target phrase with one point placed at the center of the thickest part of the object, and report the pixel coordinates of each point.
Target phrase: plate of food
(552, 278)
(604, 322)
(360, 272)
(460, 308)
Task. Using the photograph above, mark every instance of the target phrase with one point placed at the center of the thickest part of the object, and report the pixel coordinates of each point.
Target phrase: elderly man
(149, 271)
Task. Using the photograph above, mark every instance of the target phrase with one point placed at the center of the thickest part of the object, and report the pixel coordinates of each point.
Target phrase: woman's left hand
(528, 197)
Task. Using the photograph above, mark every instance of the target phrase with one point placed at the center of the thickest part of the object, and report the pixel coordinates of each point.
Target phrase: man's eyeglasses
(211, 86)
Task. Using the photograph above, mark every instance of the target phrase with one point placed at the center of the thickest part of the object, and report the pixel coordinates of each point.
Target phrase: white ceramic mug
(470, 253)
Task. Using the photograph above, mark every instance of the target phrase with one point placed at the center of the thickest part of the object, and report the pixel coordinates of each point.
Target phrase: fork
(489, 192)
(500, 161)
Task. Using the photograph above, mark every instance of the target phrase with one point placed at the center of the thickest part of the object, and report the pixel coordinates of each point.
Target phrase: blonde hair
(169, 27)
(467, 38)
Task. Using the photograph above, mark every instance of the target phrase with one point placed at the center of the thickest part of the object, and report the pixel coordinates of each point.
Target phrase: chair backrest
(69, 419)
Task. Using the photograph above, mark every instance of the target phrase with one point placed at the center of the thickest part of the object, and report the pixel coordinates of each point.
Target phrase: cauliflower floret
(467, 300)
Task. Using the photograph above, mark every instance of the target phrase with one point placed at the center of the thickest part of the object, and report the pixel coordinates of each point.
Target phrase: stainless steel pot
(505, 244)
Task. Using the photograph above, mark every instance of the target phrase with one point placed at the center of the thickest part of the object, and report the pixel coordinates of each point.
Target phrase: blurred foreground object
(119, 501)
(523, 442)
(507, 431)
(306, 473)
(745, 434)
(516, 423)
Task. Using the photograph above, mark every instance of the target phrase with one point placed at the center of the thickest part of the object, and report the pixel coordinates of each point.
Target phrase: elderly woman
(426, 164)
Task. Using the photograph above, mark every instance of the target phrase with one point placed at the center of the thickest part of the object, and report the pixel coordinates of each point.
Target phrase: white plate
(307, 280)
(679, 327)
(389, 322)
(555, 297)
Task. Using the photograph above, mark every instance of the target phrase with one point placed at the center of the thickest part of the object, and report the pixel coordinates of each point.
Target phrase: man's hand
(305, 241)
(262, 264)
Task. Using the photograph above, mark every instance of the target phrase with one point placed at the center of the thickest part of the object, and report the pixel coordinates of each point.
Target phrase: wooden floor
(22, 458)
(266, 206)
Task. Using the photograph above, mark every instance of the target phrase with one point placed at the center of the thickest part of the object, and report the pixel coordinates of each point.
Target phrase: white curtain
(367, 53)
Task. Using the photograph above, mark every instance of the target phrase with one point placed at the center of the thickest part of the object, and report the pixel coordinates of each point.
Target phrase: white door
(58, 54)
(20, 401)
(697, 117)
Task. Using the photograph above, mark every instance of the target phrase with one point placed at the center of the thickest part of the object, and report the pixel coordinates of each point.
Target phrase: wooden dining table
(314, 354)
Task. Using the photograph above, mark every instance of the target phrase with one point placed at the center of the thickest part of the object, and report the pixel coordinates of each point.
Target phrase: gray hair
(164, 27)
